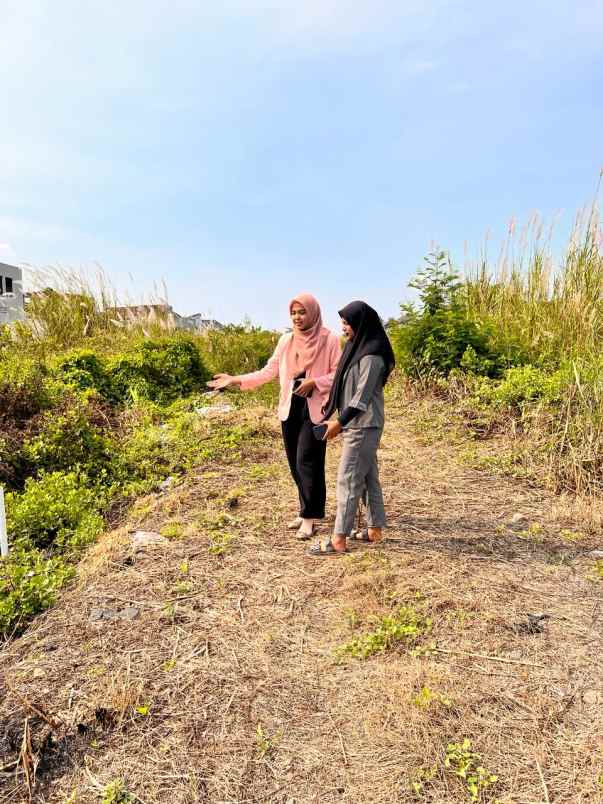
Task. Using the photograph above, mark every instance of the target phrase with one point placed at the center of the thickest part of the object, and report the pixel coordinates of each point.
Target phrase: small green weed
(365, 561)
(266, 743)
(351, 618)
(533, 534)
(405, 626)
(260, 472)
(220, 544)
(423, 650)
(510, 463)
(171, 530)
(465, 764)
(598, 570)
(428, 697)
(419, 778)
(571, 536)
(116, 793)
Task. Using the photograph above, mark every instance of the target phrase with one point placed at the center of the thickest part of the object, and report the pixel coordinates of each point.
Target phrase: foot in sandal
(295, 524)
(335, 546)
(368, 536)
(306, 530)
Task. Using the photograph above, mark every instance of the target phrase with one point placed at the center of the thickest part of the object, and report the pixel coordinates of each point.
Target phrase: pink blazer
(322, 371)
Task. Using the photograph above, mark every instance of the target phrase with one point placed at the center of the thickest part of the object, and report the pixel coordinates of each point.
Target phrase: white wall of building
(11, 294)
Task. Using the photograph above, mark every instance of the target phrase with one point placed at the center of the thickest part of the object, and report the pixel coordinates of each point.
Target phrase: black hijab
(369, 338)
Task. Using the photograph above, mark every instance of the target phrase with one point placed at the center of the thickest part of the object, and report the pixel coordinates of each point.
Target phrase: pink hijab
(304, 345)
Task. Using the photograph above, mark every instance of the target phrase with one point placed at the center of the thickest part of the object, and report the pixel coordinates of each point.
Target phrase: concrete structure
(164, 316)
(11, 294)
(202, 324)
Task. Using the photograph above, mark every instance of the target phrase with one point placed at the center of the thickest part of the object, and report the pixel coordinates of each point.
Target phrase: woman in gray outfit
(357, 393)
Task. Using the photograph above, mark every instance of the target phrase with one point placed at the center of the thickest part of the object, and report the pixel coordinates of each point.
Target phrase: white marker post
(3, 534)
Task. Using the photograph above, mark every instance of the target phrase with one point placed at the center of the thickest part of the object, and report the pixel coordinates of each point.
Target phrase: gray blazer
(363, 388)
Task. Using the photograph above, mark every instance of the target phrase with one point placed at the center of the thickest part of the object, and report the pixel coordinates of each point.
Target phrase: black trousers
(306, 456)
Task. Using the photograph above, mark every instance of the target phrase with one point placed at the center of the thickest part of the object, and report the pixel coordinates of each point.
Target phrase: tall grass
(68, 310)
(553, 311)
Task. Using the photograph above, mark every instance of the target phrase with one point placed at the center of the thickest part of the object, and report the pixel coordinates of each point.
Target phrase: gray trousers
(358, 478)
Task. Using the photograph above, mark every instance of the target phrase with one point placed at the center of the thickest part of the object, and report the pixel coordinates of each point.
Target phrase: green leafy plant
(406, 626)
(160, 370)
(533, 533)
(266, 743)
(427, 697)
(171, 530)
(56, 509)
(220, 543)
(115, 793)
(420, 778)
(29, 583)
(94, 410)
(68, 440)
(466, 764)
(85, 370)
(441, 336)
(571, 536)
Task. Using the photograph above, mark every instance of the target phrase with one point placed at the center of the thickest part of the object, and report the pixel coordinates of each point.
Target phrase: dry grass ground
(226, 687)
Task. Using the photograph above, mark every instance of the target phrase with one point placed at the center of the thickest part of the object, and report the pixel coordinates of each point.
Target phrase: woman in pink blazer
(305, 361)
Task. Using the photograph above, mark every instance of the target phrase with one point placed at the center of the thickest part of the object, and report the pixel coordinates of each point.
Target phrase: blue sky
(249, 150)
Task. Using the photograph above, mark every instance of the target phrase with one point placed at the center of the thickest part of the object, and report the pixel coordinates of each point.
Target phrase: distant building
(202, 324)
(162, 315)
(11, 294)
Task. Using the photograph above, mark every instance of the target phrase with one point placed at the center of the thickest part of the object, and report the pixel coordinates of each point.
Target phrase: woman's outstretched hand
(333, 430)
(222, 381)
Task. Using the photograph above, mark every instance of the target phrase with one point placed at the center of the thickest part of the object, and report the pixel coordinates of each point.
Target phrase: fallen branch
(341, 743)
(490, 658)
(544, 787)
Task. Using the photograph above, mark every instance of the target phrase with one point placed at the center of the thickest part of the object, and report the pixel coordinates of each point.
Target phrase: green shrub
(68, 440)
(161, 442)
(29, 582)
(57, 509)
(441, 336)
(523, 384)
(466, 765)
(160, 370)
(237, 349)
(84, 370)
(23, 388)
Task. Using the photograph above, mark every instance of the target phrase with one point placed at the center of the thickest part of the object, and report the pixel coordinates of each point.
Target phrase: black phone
(319, 431)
